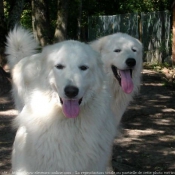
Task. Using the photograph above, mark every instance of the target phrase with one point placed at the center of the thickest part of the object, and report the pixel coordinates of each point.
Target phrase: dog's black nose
(71, 91)
(130, 62)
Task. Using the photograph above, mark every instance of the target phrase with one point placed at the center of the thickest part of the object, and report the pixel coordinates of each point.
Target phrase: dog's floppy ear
(98, 45)
(140, 44)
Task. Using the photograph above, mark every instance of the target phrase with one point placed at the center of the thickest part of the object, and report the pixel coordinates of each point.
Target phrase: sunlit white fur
(106, 46)
(21, 44)
(46, 140)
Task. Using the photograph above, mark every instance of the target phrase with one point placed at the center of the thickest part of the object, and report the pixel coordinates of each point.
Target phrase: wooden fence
(153, 29)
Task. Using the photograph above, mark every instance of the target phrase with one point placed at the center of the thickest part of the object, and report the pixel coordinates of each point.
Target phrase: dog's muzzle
(124, 77)
(117, 73)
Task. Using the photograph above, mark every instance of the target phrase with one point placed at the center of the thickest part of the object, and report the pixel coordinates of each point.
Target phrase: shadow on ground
(147, 142)
(7, 113)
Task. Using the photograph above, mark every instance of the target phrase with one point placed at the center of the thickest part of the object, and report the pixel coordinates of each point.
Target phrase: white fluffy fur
(21, 44)
(106, 46)
(46, 140)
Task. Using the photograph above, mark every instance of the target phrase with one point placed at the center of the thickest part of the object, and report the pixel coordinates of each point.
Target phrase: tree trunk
(15, 13)
(79, 20)
(173, 37)
(41, 22)
(61, 23)
(163, 46)
(3, 33)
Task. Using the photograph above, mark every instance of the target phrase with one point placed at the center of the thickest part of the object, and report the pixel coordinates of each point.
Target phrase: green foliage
(6, 9)
(26, 17)
(52, 14)
(156, 66)
(89, 8)
(112, 7)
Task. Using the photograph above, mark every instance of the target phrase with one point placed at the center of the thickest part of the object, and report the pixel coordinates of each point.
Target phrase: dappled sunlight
(11, 112)
(148, 140)
(135, 136)
(138, 132)
(165, 138)
(6, 102)
(153, 84)
(165, 122)
(5, 150)
(162, 96)
(168, 110)
(7, 134)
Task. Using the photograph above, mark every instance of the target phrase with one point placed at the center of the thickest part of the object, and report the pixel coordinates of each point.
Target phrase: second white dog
(122, 58)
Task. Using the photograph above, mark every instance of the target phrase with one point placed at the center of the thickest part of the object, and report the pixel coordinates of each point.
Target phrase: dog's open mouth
(71, 107)
(124, 78)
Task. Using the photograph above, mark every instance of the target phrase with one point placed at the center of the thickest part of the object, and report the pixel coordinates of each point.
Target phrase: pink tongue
(126, 81)
(71, 108)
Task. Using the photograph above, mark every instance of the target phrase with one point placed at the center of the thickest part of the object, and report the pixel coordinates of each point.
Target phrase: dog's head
(122, 57)
(75, 74)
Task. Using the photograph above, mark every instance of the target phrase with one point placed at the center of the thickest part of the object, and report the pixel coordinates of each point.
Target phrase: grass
(158, 68)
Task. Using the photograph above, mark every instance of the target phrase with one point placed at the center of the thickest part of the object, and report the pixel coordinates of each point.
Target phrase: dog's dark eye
(134, 50)
(117, 50)
(83, 67)
(60, 66)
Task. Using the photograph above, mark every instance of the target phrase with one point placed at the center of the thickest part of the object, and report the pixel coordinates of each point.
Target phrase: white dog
(65, 123)
(122, 58)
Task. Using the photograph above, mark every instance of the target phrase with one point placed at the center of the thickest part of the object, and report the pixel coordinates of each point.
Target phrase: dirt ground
(147, 141)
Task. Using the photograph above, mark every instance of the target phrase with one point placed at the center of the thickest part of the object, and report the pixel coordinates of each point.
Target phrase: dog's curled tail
(20, 44)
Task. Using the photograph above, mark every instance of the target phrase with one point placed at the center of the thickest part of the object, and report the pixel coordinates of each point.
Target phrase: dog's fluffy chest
(71, 145)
